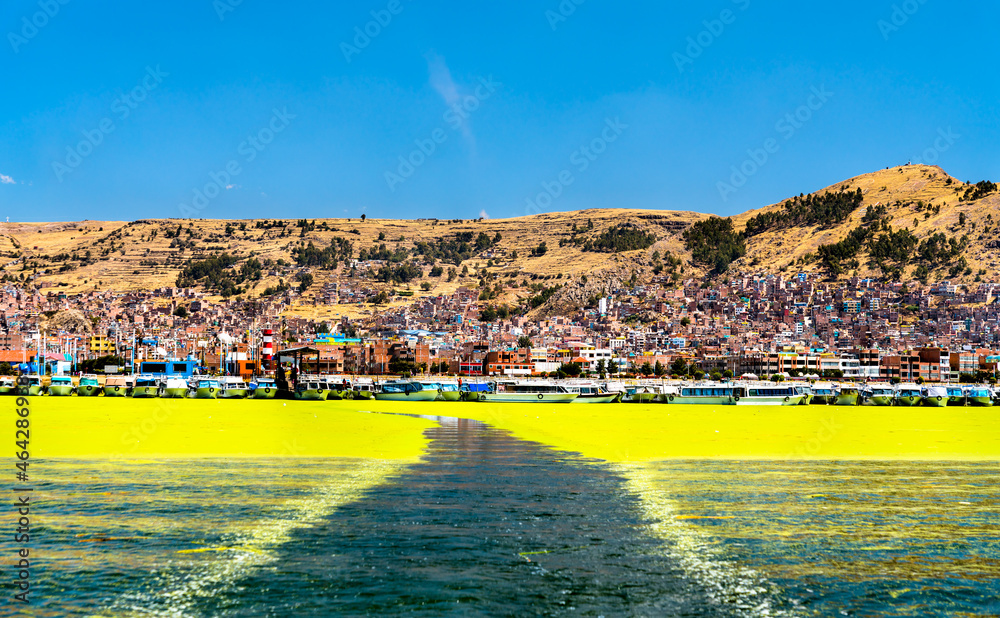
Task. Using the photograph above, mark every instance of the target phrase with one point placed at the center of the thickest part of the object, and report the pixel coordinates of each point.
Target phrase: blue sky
(228, 109)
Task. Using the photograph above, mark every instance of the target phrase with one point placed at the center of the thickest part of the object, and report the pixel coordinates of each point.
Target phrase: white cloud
(231, 187)
(441, 78)
(483, 214)
(7, 180)
(442, 81)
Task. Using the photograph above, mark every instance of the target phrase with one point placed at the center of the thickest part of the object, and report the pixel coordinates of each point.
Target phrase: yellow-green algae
(637, 433)
(83, 427)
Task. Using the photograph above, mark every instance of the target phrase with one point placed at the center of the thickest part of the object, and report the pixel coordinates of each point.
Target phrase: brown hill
(923, 200)
(147, 254)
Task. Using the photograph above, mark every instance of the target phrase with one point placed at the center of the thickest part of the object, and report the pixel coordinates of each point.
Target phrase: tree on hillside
(647, 369)
(524, 341)
(489, 314)
(305, 280)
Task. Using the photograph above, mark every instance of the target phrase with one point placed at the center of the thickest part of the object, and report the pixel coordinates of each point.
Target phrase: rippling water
(486, 524)
(852, 538)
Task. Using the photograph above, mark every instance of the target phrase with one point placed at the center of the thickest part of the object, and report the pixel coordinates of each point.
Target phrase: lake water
(487, 524)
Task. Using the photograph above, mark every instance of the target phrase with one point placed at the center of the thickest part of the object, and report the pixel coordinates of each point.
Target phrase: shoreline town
(784, 341)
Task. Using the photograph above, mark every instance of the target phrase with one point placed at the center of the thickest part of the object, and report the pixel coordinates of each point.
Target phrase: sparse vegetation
(714, 242)
(622, 237)
(979, 190)
(827, 209)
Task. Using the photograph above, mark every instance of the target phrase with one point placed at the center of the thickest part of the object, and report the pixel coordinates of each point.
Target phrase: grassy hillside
(255, 256)
(906, 222)
(897, 205)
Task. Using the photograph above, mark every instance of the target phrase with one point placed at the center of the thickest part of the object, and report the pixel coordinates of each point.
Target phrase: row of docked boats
(141, 387)
(326, 388)
(875, 394)
(511, 391)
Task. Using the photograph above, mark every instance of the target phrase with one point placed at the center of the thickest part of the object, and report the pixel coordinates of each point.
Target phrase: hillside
(902, 223)
(900, 204)
(257, 257)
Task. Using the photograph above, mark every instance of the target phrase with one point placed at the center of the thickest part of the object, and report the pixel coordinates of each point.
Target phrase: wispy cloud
(7, 180)
(483, 214)
(442, 81)
(441, 78)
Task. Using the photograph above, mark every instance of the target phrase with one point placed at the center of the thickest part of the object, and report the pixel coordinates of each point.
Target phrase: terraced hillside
(253, 257)
(904, 223)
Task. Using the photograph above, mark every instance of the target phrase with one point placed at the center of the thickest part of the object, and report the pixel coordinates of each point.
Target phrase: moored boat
(592, 392)
(263, 388)
(173, 387)
(908, 395)
(364, 388)
(310, 390)
(8, 385)
(644, 393)
(880, 394)
(405, 390)
(232, 387)
(30, 385)
(979, 396)
(848, 395)
(708, 393)
(767, 395)
(89, 387)
(934, 396)
(61, 386)
(116, 386)
(449, 391)
(823, 393)
(204, 388)
(338, 388)
(527, 391)
(806, 393)
(145, 387)
(956, 395)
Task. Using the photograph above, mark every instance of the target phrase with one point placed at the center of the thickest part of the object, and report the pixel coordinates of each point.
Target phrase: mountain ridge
(902, 223)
